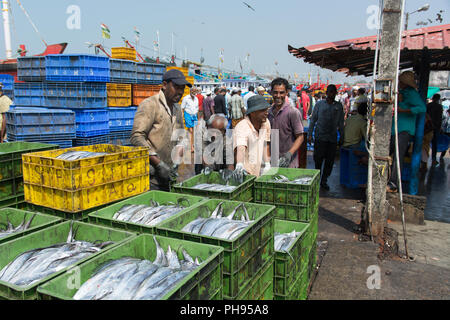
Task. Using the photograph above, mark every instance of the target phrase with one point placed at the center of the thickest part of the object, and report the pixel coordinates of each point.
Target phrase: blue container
(92, 123)
(122, 71)
(31, 69)
(120, 138)
(352, 174)
(103, 139)
(7, 82)
(77, 67)
(443, 142)
(42, 122)
(121, 119)
(53, 139)
(150, 73)
(29, 94)
(75, 95)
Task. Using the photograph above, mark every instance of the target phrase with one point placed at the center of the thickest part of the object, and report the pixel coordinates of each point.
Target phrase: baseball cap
(177, 77)
(261, 88)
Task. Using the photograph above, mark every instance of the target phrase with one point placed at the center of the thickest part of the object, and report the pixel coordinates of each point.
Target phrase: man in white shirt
(249, 94)
(190, 108)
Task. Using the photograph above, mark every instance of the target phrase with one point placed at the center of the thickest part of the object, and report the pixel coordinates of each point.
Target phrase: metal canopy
(356, 56)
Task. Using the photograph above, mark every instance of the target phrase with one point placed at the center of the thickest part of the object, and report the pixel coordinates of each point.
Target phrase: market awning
(356, 56)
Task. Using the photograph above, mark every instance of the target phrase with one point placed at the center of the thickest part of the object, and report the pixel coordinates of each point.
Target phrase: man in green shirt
(355, 129)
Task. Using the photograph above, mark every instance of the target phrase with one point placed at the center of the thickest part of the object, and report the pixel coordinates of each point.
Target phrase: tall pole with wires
(5, 13)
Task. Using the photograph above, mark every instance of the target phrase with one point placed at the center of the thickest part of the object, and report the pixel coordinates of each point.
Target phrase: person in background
(220, 106)
(251, 139)
(361, 98)
(287, 120)
(290, 97)
(262, 92)
(352, 98)
(249, 94)
(446, 131)
(200, 102)
(355, 129)
(227, 101)
(190, 108)
(327, 118)
(5, 103)
(155, 121)
(236, 107)
(345, 101)
(216, 92)
(409, 106)
(208, 106)
(305, 103)
(426, 142)
(435, 111)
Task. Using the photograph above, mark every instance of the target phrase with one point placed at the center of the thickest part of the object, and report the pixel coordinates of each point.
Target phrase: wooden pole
(389, 48)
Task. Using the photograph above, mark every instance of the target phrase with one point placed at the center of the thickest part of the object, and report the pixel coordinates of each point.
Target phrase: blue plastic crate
(40, 121)
(104, 139)
(62, 142)
(77, 67)
(122, 71)
(121, 119)
(149, 73)
(7, 82)
(31, 68)
(92, 115)
(29, 94)
(75, 95)
(9, 93)
(352, 174)
(120, 138)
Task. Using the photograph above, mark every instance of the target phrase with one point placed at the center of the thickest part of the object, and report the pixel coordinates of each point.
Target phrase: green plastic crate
(295, 290)
(261, 286)
(289, 264)
(11, 157)
(104, 216)
(205, 283)
(11, 187)
(245, 255)
(16, 217)
(244, 192)
(47, 237)
(12, 202)
(293, 201)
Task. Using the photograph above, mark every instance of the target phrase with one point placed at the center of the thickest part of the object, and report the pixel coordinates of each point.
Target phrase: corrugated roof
(355, 56)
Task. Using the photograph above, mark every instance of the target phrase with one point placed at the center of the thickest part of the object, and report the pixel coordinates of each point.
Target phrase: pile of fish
(10, 229)
(135, 279)
(219, 227)
(284, 240)
(76, 155)
(302, 180)
(147, 215)
(33, 265)
(214, 187)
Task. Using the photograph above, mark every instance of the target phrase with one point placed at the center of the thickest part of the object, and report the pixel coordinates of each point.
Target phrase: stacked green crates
(247, 258)
(204, 283)
(11, 175)
(105, 215)
(243, 191)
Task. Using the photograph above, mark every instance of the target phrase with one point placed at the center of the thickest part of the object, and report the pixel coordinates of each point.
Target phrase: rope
(29, 19)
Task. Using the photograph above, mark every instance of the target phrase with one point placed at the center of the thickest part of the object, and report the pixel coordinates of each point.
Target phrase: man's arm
(3, 131)
(341, 125)
(143, 123)
(314, 117)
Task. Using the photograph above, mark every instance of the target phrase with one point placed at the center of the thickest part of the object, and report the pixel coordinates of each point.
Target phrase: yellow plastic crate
(185, 71)
(86, 198)
(43, 169)
(119, 95)
(124, 53)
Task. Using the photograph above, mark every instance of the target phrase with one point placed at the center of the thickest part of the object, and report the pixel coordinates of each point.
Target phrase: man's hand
(163, 173)
(266, 168)
(285, 160)
(238, 173)
(206, 171)
(226, 174)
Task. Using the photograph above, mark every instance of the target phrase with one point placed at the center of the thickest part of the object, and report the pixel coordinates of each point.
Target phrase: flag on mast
(105, 31)
(137, 34)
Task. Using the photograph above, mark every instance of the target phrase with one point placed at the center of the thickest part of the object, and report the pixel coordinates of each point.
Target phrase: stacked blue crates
(54, 126)
(150, 73)
(7, 82)
(91, 125)
(120, 125)
(352, 174)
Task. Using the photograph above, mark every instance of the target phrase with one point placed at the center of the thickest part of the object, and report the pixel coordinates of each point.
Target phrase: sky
(264, 34)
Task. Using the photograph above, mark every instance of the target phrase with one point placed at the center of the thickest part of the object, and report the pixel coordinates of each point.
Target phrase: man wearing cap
(262, 92)
(155, 121)
(287, 120)
(190, 108)
(409, 107)
(5, 102)
(236, 107)
(251, 139)
(208, 106)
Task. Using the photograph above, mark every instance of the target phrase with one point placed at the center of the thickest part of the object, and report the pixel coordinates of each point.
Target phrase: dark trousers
(434, 144)
(198, 169)
(403, 142)
(303, 152)
(324, 151)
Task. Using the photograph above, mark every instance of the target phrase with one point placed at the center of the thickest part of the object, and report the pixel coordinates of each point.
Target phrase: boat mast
(5, 13)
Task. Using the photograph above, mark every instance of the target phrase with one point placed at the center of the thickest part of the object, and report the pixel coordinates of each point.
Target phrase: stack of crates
(11, 174)
(7, 82)
(120, 125)
(74, 186)
(353, 175)
(92, 127)
(124, 53)
(144, 91)
(294, 203)
(248, 259)
(55, 126)
(150, 73)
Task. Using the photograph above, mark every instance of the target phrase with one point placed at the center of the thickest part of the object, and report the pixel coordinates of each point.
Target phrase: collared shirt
(248, 96)
(190, 105)
(245, 135)
(355, 130)
(327, 119)
(5, 102)
(154, 125)
(289, 123)
(412, 101)
(236, 105)
(208, 107)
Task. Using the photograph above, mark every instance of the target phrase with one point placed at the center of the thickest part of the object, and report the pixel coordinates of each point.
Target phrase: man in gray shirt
(327, 118)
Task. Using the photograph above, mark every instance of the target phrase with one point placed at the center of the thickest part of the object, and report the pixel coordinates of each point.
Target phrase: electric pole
(376, 208)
